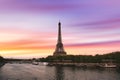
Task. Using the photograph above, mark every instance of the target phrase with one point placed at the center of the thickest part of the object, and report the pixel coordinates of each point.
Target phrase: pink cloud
(25, 44)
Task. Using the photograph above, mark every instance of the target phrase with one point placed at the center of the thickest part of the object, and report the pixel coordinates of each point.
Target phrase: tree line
(1, 59)
(114, 56)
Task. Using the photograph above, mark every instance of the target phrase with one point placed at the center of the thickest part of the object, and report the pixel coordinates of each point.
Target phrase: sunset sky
(28, 28)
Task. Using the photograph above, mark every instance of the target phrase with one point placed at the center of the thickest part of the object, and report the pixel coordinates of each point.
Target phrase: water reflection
(41, 72)
(59, 71)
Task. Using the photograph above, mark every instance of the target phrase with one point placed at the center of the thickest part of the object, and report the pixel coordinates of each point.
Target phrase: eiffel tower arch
(59, 51)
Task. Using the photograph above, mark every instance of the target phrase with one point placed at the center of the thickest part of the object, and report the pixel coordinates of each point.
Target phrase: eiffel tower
(59, 51)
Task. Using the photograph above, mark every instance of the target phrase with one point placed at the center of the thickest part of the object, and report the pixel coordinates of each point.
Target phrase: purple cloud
(103, 22)
(97, 44)
(111, 24)
(39, 6)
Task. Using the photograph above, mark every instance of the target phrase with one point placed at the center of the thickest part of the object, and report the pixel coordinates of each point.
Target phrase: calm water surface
(42, 72)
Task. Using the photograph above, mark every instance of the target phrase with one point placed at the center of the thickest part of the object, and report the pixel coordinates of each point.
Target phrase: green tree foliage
(1, 59)
(84, 58)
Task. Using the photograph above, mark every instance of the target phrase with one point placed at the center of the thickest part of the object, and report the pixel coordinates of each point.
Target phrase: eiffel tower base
(59, 53)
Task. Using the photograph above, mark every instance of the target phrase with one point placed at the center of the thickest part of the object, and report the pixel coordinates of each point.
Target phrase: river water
(41, 72)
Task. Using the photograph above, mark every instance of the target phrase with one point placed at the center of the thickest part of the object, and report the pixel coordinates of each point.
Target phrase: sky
(28, 28)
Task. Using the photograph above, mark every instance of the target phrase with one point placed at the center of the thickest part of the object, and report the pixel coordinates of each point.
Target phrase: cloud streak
(36, 7)
(97, 44)
(103, 22)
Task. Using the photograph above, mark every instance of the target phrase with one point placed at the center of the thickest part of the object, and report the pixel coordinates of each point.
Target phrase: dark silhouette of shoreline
(72, 60)
(2, 61)
(110, 60)
(115, 56)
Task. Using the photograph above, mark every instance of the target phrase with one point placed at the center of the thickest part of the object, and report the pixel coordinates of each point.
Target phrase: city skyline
(28, 28)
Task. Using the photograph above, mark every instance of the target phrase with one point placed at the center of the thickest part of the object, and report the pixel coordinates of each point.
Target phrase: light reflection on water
(42, 72)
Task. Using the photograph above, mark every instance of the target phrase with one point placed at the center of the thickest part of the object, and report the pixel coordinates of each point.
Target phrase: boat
(35, 63)
(45, 63)
(108, 65)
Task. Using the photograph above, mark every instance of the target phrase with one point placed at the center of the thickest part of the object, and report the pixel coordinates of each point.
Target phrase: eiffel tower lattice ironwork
(59, 47)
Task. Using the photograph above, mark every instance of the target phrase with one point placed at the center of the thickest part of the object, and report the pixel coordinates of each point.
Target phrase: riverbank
(86, 65)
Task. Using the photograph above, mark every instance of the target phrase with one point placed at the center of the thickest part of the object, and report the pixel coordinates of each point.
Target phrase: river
(16, 71)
